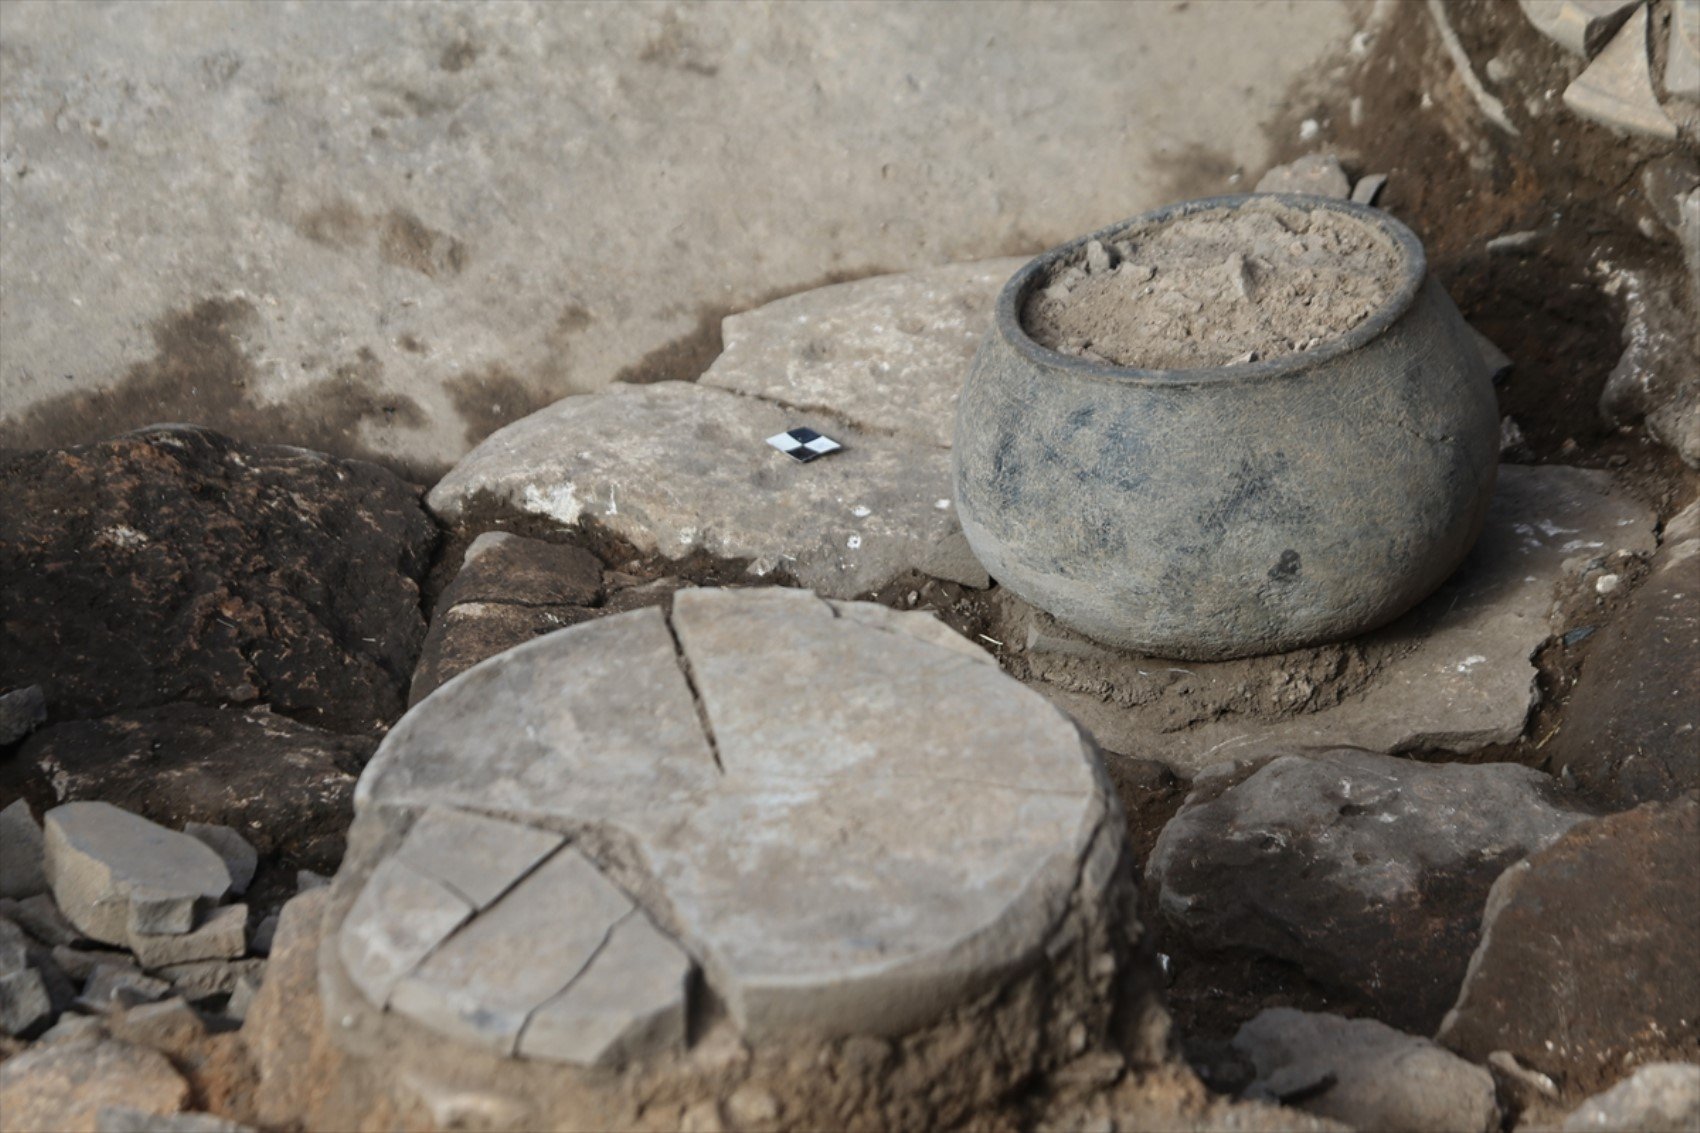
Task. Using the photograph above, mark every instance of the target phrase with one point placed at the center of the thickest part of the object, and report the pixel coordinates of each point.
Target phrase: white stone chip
(486, 980)
(628, 1003)
(97, 855)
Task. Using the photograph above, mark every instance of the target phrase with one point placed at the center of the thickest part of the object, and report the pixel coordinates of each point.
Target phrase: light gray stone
(128, 1119)
(484, 983)
(1657, 377)
(24, 1001)
(121, 984)
(41, 918)
(97, 855)
(478, 858)
(1318, 174)
(1369, 188)
(1617, 88)
(22, 869)
(502, 206)
(77, 963)
(1461, 676)
(1656, 1098)
(222, 935)
(630, 1000)
(1579, 26)
(238, 854)
(1382, 1078)
(242, 994)
(892, 859)
(399, 917)
(914, 623)
(155, 913)
(886, 354)
(1682, 58)
(1367, 871)
(678, 468)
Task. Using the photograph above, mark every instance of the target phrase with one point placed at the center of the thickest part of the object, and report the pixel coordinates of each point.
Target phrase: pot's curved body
(1216, 513)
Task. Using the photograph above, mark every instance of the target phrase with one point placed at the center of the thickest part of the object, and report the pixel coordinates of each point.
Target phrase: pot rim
(1413, 269)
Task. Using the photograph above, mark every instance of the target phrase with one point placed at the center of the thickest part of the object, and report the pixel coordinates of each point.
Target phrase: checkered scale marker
(803, 444)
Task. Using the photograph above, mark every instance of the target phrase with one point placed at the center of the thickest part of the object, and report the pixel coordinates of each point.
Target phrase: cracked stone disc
(848, 822)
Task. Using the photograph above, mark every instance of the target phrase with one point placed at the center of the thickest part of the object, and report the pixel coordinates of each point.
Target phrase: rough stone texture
(478, 858)
(237, 853)
(1682, 58)
(20, 711)
(678, 468)
(1318, 174)
(1380, 1078)
(120, 984)
(156, 913)
(886, 354)
(63, 1087)
(24, 1002)
(415, 267)
(41, 918)
(916, 856)
(483, 984)
(1617, 88)
(1579, 26)
(222, 935)
(399, 918)
(1458, 674)
(1655, 1099)
(630, 1000)
(1631, 731)
(1586, 961)
(1657, 379)
(252, 572)
(206, 979)
(22, 871)
(509, 590)
(1366, 871)
(285, 1028)
(286, 787)
(98, 855)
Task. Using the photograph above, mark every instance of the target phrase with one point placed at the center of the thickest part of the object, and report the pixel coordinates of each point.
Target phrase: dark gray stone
(1586, 962)
(22, 865)
(20, 711)
(1366, 871)
(1237, 510)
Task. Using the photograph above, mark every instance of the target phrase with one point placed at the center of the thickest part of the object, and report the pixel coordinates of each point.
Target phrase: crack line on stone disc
(601, 946)
(690, 676)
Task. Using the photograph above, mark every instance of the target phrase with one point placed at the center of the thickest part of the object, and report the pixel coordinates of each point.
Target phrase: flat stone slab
(886, 354)
(1617, 88)
(850, 825)
(1456, 674)
(98, 856)
(678, 468)
(1367, 871)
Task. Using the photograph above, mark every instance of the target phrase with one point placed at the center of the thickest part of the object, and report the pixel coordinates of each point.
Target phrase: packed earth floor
(669, 761)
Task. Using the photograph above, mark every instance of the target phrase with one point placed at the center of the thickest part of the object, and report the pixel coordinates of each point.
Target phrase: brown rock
(61, 1088)
(285, 1029)
(177, 564)
(463, 635)
(286, 787)
(500, 567)
(1587, 960)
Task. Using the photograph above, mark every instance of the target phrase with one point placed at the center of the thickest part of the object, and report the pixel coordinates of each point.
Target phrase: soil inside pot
(1218, 287)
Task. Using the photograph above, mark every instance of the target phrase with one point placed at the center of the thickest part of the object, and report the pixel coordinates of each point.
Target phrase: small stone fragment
(478, 858)
(1522, 1086)
(485, 981)
(306, 879)
(399, 917)
(21, 710)
(1495, 360)
(1657, 1098)
(222, 935)
(260, 944)
(63, 1086)
(1579, 26)
(1369, 188)
(41, 918)
(120, 984)
(238, 854)
(1238, 277)
(1682, 57)
(1318, 174)
(25, 1004)
(207, 979)
(22, 868)
(1097, 258)
(242, 996)
(153, 913)
(78, 963)
(97, 855)
(1365, 1074)
(629, 1002)
(1617, 88)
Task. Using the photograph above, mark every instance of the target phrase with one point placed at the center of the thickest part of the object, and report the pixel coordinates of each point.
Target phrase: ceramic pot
(1235, 510)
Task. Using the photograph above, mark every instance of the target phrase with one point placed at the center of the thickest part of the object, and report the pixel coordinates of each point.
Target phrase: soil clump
(1215, 288)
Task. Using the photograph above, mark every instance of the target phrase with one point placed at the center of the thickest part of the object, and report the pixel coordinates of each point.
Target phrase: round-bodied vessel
(1230, 511)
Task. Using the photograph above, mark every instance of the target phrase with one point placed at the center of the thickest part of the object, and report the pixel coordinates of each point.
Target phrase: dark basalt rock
(176, 564)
